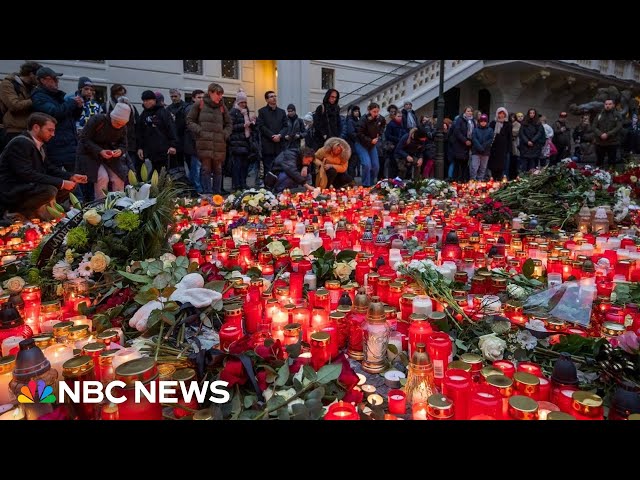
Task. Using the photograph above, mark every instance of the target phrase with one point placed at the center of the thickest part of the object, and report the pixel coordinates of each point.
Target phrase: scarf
(245, 114)
(469, 119)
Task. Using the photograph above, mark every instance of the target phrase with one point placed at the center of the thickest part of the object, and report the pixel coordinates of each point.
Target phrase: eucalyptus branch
(268, 411)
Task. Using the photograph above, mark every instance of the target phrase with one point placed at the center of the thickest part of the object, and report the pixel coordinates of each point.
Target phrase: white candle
(376, 350)
(47, 326)
(58, 354)
(375, 399)
(395, 338)
(278, 321)
(310, 280)
(423, 305)
(9, 344)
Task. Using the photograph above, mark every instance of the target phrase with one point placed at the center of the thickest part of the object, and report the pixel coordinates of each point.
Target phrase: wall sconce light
(544, 74)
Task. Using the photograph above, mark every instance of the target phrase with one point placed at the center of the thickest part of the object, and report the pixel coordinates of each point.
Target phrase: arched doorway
(452, 103)
(484, 101)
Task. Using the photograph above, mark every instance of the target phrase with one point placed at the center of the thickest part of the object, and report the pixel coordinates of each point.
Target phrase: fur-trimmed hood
(346, 149)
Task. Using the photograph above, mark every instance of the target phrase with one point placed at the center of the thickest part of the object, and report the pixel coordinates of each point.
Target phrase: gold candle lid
(396, 287)
(7, 363)
(586, 403)
(337, 316)
(166, 371)
(503, 383)
(61, 329)
(472, 359)
(560, 416)
(322, 293)
(523, 408)
(184, 374)
(77, 366)
(93, 347)
(460, 365)
(43, 340)
(320, 337)
(384, 280)
(345, 309)
(435, 316)
(106, 357)
(489, 371)
(612, 329)
(204, 414)
(332, 284)
(233, 309)
(141, 369)
(526, 383)
(78, 332)
(107, 335)
(408, 297)
(439, 406)
(417, 317)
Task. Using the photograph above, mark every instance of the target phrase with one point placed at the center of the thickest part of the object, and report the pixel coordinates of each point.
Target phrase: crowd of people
(54, 143)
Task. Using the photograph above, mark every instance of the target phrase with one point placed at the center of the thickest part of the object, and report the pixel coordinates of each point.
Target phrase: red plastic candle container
(440, 349)
(419, 331)
(397, 402)
(142, 370)
(587, 406)
(342, 411)
(184, 376)
(457, 386)
(506, 366)
(529, 367)
(485, 400)
(229, 333)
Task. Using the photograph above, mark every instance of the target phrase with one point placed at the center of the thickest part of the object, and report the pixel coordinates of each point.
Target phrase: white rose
(276, 248)
(167, 259)
(342, 270)
(92, 217)
(633, 179)
(297, 252)
(253, 202)
(492, 347)
(14, 284)
(99, 262)
(60, 270)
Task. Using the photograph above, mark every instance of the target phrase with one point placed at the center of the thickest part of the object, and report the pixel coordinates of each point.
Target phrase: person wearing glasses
(272, 125)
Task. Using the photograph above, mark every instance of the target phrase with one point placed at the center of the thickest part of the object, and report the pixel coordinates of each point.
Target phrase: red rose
(487, 201)
(241, 345)
(261, 377)
(297, 364)
(233, 372)
(497, 204)
(348, 377)
(572, 165)
(354, 396)
(272, 352)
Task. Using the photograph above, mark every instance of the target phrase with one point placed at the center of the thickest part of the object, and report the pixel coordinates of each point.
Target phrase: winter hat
(291, 106)
(484, 118)
(148, 95)
(159, 96)
(121, 112)
(241, 96)
(308, 117)
(84, 82)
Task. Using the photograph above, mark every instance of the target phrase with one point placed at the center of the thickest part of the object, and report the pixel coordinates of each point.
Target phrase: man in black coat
(156, 133)
(272, 124)
(178, 110)
(29, 181)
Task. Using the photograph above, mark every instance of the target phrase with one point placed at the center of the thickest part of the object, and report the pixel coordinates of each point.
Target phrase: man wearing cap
(47, 98)
(156, 132)
(296, 130)
(15, 99)
(102, 150)
(562, 137)
(30, 181)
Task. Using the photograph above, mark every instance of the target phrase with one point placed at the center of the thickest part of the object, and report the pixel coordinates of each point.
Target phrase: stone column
(293, 84)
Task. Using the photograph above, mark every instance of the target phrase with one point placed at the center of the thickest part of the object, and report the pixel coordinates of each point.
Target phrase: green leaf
(254, 272)
(309, 373)
(393, 349)
(182, 262)
(294, 350)
(132, 177)
(314, 408)
(154, 318)
(216, 285)
(317, 393)
(193, 267)
(283, 414)
(74, 201)
(154, 179)
(346, 256)
(300, 412)
(155, 267)
(249, 400)
(275, 402)
(168, 317)
(236, 405)
(271, 377)
(283, 375)
(134, 277)
(328, 373)
(318, 252)
(245, 414)
(162, 280)
(528, 268)
(460, 344)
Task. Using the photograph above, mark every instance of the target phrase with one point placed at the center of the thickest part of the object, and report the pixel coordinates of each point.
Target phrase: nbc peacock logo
(38, 392)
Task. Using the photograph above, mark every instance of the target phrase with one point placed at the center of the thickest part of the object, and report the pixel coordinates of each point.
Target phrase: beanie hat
(241, 96)
(159, 96)
(291, 106)
(121, 112)
(148, 95)
(308, 117)
(484, 118)
(84, 82)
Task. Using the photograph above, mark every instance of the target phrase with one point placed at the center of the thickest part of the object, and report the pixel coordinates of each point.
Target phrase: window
(328, 75)
(231, 69)
(192, 66)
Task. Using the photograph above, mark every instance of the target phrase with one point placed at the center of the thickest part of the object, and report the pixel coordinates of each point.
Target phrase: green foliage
(77, 238)
(127, 220)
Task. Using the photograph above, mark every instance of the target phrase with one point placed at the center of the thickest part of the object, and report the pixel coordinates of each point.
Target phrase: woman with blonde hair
(333, 159)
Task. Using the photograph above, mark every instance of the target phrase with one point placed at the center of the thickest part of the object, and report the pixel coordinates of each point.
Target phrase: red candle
(332, 330)
(253, 316)
(296, 280)
(529, 367)
(440, 350)
(195, 256)
(320, 350)
(485, 400)
(419, 331)
(562, 397)
(545, 389)
(506, 366)
(397, 402)
(179, 249)
(457, 386)
(419, 410)
(342, 411)
(545, 408)
(229, 334)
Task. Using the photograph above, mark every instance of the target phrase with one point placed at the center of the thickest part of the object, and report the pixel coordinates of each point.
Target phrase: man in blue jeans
(195, 165)
(292, 170)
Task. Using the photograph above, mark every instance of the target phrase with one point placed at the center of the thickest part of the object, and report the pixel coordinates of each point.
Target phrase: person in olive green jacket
(211, 125)
(606, 127)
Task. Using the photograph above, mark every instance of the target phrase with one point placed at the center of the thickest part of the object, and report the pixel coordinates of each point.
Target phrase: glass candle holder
(457, 386)
(76, 371)
(75, 292)
(342, 411)
(142, 370)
